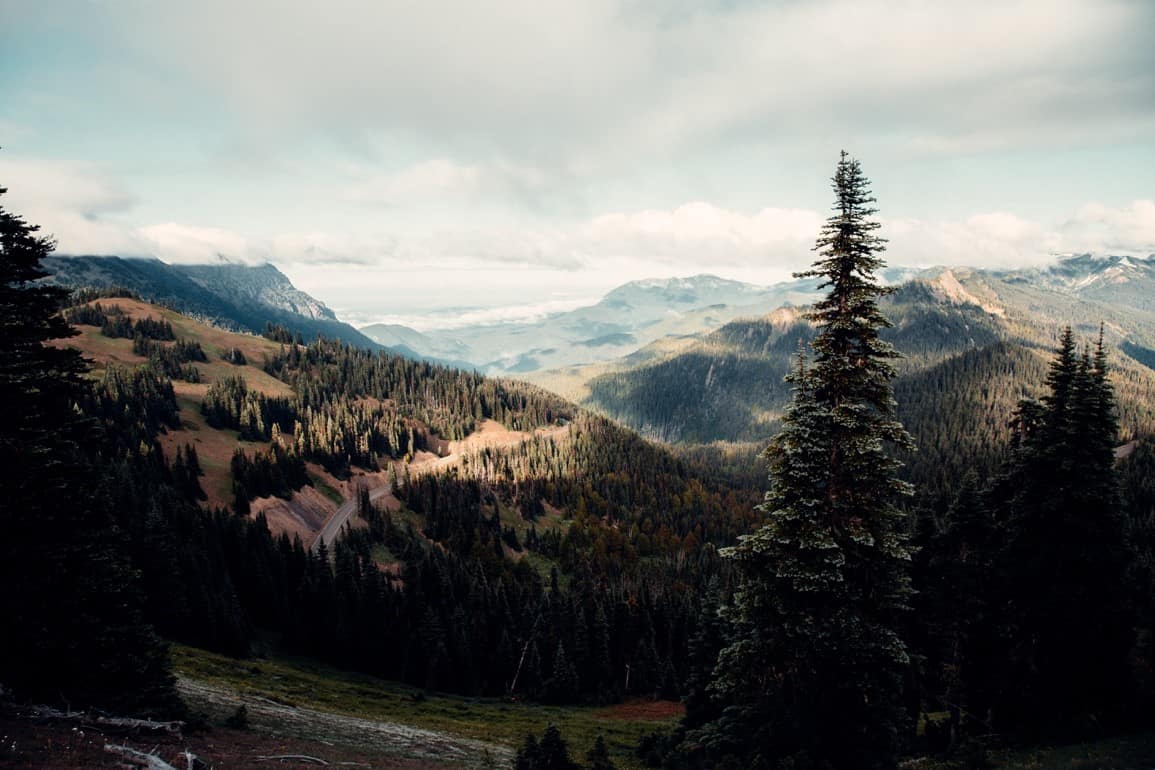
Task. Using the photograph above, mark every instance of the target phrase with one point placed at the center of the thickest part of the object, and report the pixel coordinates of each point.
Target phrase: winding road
(333, 526)
(490, 434)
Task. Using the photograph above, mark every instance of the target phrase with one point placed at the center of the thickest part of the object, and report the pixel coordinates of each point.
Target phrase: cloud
(441, 183)
(71, 201)
(426, 318)
(995, 239)
(84, 208)
(700, 228)
(571, 88)
(1099, 228)
(1004, 240)
(84, 188)
(436, 179)
(186, 244)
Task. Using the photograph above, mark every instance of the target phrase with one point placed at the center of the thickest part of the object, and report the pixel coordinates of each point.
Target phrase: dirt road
(333, 526)
(489, 434)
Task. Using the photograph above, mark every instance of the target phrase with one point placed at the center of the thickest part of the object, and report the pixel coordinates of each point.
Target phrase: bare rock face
(263, 284)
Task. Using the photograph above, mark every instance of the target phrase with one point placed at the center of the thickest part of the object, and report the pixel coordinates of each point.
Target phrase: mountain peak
(1099, 262)
(703, 289)
(263, 283)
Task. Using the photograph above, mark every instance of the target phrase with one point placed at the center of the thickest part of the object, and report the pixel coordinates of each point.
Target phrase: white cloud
(425, 319)
(85, 188)
(423, 182)
(570, 87)
(995, 239)
(1001, 239)
(81, 205)
(441, 184)
(700, 225)
(72, 202)
(174, 242)
(1099, 228)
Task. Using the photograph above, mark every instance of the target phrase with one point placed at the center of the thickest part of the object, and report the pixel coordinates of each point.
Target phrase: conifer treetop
(847, 242)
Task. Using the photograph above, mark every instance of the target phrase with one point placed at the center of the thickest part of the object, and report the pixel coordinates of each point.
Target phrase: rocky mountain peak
(264, 284)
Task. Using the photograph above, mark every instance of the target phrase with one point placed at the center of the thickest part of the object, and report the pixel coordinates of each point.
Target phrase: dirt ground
(46, 746)
(352, 733)
(276, 733)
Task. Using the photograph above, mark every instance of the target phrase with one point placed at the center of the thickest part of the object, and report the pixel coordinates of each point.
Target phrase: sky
(399, 158)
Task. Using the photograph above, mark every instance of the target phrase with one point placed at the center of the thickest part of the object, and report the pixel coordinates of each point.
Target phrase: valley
(386, 559)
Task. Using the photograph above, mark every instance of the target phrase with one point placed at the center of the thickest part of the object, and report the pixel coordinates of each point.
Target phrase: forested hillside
(972, 343)
(566, 566)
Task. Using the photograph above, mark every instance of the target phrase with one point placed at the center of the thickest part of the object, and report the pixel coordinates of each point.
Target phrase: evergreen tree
(527, 755)
(1068, 621)
(552, 752)
(813, 673)
(563, 683)
(598, 757)
(73, 627)
(957, 608)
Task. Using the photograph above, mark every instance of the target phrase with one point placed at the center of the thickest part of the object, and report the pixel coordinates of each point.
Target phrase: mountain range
(973, 343)
(629, 317)
(232, 296)
(647, 319)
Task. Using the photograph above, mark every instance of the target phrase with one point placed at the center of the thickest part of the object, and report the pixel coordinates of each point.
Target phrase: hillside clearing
(212, 682)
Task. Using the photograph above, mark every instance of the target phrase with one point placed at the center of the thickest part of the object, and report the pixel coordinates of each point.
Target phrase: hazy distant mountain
(1126, 280)
(237, 297)
(990, 329)
(416, 344)
(626, 319)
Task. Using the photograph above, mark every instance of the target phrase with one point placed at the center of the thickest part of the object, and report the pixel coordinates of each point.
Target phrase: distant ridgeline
(232, 296)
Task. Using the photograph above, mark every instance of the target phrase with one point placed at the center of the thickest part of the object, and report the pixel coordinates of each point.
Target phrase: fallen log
(295, 758)
(138, 758)
(106, 724)
(126, 724)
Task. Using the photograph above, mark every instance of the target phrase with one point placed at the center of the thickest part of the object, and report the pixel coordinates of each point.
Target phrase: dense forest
(616, 611)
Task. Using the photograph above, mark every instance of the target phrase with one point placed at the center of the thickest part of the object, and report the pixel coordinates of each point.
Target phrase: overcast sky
(397, 158)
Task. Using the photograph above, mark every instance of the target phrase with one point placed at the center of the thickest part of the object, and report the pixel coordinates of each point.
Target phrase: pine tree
(813, 673)
(598, 757)
(563, 683)
(73, 626)
(1069, 625)
(526, 758)
(553, 752)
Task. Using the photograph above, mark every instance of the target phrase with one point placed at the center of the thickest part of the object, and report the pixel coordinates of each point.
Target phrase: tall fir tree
(813, 673)
(1068, 621)
(73, 625)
